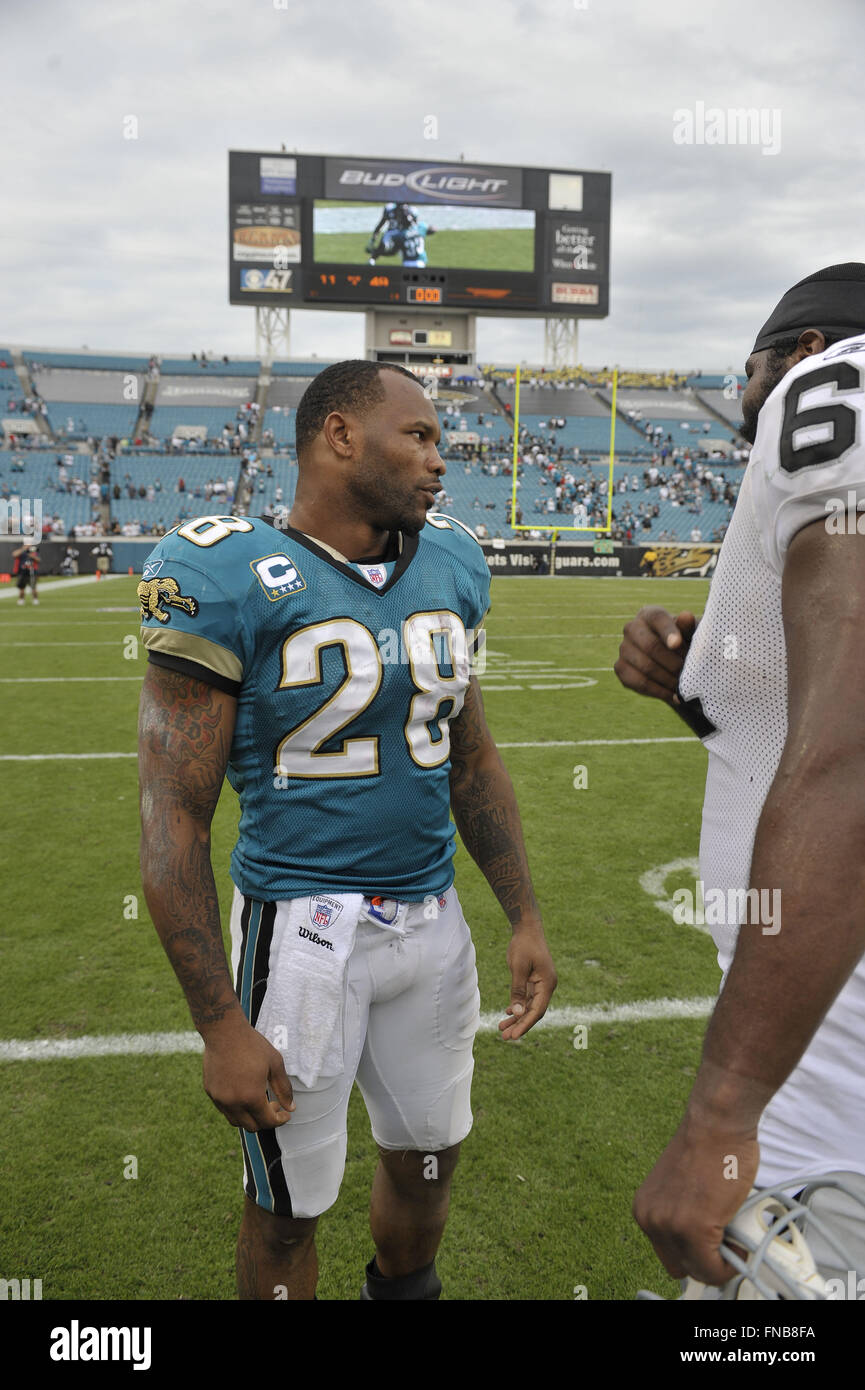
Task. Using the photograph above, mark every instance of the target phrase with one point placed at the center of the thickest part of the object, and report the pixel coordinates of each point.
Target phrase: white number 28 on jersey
(299, 755)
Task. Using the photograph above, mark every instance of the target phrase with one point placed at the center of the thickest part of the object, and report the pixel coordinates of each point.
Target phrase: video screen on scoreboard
(407, 234)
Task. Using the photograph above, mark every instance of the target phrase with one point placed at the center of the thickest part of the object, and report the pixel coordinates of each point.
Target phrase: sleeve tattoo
(185, 731)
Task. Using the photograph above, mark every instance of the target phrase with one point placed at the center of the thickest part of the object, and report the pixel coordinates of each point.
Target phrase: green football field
(563, 1134)
(501, 248)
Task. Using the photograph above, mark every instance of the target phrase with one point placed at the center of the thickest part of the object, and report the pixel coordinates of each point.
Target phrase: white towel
(303, 1009)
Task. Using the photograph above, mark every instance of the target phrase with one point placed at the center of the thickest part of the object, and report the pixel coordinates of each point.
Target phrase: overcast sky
(119, 243)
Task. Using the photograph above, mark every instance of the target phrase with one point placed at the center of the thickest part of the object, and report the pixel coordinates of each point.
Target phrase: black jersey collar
(406, 555)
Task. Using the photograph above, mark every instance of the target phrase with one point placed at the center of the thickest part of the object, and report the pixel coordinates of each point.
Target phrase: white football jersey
(809, 454)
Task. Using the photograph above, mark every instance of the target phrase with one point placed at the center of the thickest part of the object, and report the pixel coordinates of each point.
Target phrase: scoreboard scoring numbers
(424, 294)
(377, 286)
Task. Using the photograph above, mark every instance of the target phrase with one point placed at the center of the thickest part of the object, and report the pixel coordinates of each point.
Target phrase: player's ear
(810, 343)
(339, 433)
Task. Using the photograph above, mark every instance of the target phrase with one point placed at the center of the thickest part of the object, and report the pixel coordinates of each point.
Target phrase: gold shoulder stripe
(194, 648)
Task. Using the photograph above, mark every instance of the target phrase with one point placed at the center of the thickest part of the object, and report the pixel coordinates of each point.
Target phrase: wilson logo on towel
(314, 936)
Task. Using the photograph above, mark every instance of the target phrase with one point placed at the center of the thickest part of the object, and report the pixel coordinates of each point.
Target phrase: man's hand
(533, 979)
(653, 651)
(696, 1187)
(239, 1066)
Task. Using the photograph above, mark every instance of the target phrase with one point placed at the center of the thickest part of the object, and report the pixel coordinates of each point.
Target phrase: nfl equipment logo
(375, 574)
(323, 911)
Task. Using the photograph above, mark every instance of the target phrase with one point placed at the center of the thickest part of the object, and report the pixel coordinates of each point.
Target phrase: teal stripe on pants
(264, 1196)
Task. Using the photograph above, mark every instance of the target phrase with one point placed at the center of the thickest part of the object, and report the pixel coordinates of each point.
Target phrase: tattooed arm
(488, 820)
(185, 730)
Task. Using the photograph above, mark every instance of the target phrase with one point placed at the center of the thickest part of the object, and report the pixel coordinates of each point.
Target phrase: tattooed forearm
(486, 814)
(185, 731)
(487, 818)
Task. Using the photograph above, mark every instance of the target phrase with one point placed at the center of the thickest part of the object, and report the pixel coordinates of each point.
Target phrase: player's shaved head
(353, 386)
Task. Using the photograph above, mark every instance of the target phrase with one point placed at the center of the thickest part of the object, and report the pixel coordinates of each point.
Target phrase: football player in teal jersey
(326, 670)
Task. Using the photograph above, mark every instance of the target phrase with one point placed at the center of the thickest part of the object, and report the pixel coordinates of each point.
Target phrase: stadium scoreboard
(319, 231)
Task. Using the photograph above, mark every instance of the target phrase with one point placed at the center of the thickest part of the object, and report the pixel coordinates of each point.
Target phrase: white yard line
(61, 680)
(58, 757)
(549, 636)
(548, 743)
(599, 742)
(108, 643)
(9, 623)
(643, 1011)
(151, 1044)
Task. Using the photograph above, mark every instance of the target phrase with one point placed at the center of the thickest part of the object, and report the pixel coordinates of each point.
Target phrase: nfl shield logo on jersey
(376, 574)
(324, 911)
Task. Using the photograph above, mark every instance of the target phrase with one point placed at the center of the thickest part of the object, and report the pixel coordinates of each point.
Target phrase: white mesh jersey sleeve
(810, 450)
(808, 461)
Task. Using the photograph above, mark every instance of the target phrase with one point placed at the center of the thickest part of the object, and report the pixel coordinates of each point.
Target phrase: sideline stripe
(57, 586)
(551, 743)
(151, 1044)
(42, 621)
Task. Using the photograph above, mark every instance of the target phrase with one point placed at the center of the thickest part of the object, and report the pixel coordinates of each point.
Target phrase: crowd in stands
(556, 478)
(655, 433)
(204, 361)
(568, 484)
(27, 405)
(571, 378)
(232, 438)
(582, 492)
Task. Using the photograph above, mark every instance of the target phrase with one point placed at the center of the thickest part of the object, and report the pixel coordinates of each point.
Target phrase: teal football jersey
(345, 677)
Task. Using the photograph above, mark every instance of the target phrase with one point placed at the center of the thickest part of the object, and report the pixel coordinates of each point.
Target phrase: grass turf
(502, 248)
(562, 1136)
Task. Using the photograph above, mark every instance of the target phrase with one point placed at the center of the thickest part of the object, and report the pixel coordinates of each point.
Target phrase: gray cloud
(122, 243)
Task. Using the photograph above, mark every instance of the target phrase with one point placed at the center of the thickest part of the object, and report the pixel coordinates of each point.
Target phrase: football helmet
(793, 1247)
